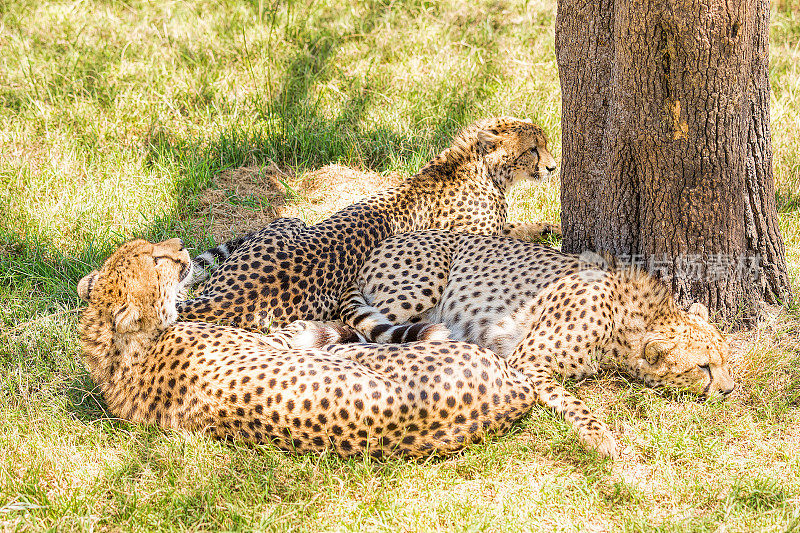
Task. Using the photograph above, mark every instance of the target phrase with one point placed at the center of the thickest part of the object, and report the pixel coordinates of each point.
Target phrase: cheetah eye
(184, 267)
(534, 150)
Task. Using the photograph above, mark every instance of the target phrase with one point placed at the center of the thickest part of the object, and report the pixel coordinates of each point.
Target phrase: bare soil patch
(247, 198)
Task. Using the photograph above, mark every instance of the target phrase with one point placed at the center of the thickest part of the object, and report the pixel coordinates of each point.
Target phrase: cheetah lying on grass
(290, 271)
(548, 313)
(409, 400)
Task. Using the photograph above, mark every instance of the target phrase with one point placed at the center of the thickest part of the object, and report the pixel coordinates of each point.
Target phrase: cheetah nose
(719, 391)
(551, 169)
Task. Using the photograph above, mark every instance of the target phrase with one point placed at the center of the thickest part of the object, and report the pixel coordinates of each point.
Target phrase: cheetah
(546, 312)
(289, 271)
(289, 388)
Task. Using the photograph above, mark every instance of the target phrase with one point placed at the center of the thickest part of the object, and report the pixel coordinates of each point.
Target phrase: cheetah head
(520, 146)
(686, 352)
(137, 286)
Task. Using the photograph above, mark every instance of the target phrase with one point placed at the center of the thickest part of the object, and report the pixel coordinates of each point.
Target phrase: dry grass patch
(334, 187)
(247, 198)
(242, 200)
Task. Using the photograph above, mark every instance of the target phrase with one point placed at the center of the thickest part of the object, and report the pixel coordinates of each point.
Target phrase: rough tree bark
(667, 159)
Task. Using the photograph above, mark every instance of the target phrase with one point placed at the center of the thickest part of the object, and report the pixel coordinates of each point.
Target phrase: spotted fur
(381, 400)
(547, 312)
(289, 271)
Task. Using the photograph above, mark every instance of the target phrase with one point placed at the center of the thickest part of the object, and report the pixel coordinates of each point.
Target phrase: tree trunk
(667, 159)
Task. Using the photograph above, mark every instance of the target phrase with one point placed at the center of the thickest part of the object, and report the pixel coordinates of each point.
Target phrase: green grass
(114, 116)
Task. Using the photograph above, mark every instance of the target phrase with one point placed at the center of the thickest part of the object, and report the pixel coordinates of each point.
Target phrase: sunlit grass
(115, 115)
(784, 105)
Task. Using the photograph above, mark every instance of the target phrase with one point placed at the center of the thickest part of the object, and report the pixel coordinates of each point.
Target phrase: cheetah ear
(700, 310)
(655, 350)
(491, 139)
(86, 284)
(126, 318)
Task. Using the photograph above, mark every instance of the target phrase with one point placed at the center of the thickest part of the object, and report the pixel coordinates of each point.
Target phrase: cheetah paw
(602, 441)
(536, 231)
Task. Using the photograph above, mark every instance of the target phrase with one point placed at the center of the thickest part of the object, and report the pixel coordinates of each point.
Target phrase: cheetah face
(139, 284)
(173, 266)
(534, 161)
(688, 355)
(520, 147)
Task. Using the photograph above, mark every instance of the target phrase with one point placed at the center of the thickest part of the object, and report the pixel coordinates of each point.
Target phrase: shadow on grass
(295, 132)
(786, 200)
(85, 402)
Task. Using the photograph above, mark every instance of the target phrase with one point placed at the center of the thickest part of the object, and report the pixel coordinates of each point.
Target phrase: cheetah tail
(336, 333)
(207, 262)
(312, 334)
(369, 321)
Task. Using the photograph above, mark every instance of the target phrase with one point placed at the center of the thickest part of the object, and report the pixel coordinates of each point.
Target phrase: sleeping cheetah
(289, 271)
(545, 311)
(382, 400)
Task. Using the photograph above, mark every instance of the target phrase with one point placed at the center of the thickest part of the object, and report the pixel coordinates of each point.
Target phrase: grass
(115, 116)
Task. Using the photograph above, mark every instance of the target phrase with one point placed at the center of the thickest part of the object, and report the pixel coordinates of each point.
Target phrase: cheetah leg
(405, 279)
(555, 348)
(200, 309)
(594, 433)
(372, 323)
(241, 313)
(401, 282)
(531, 232)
